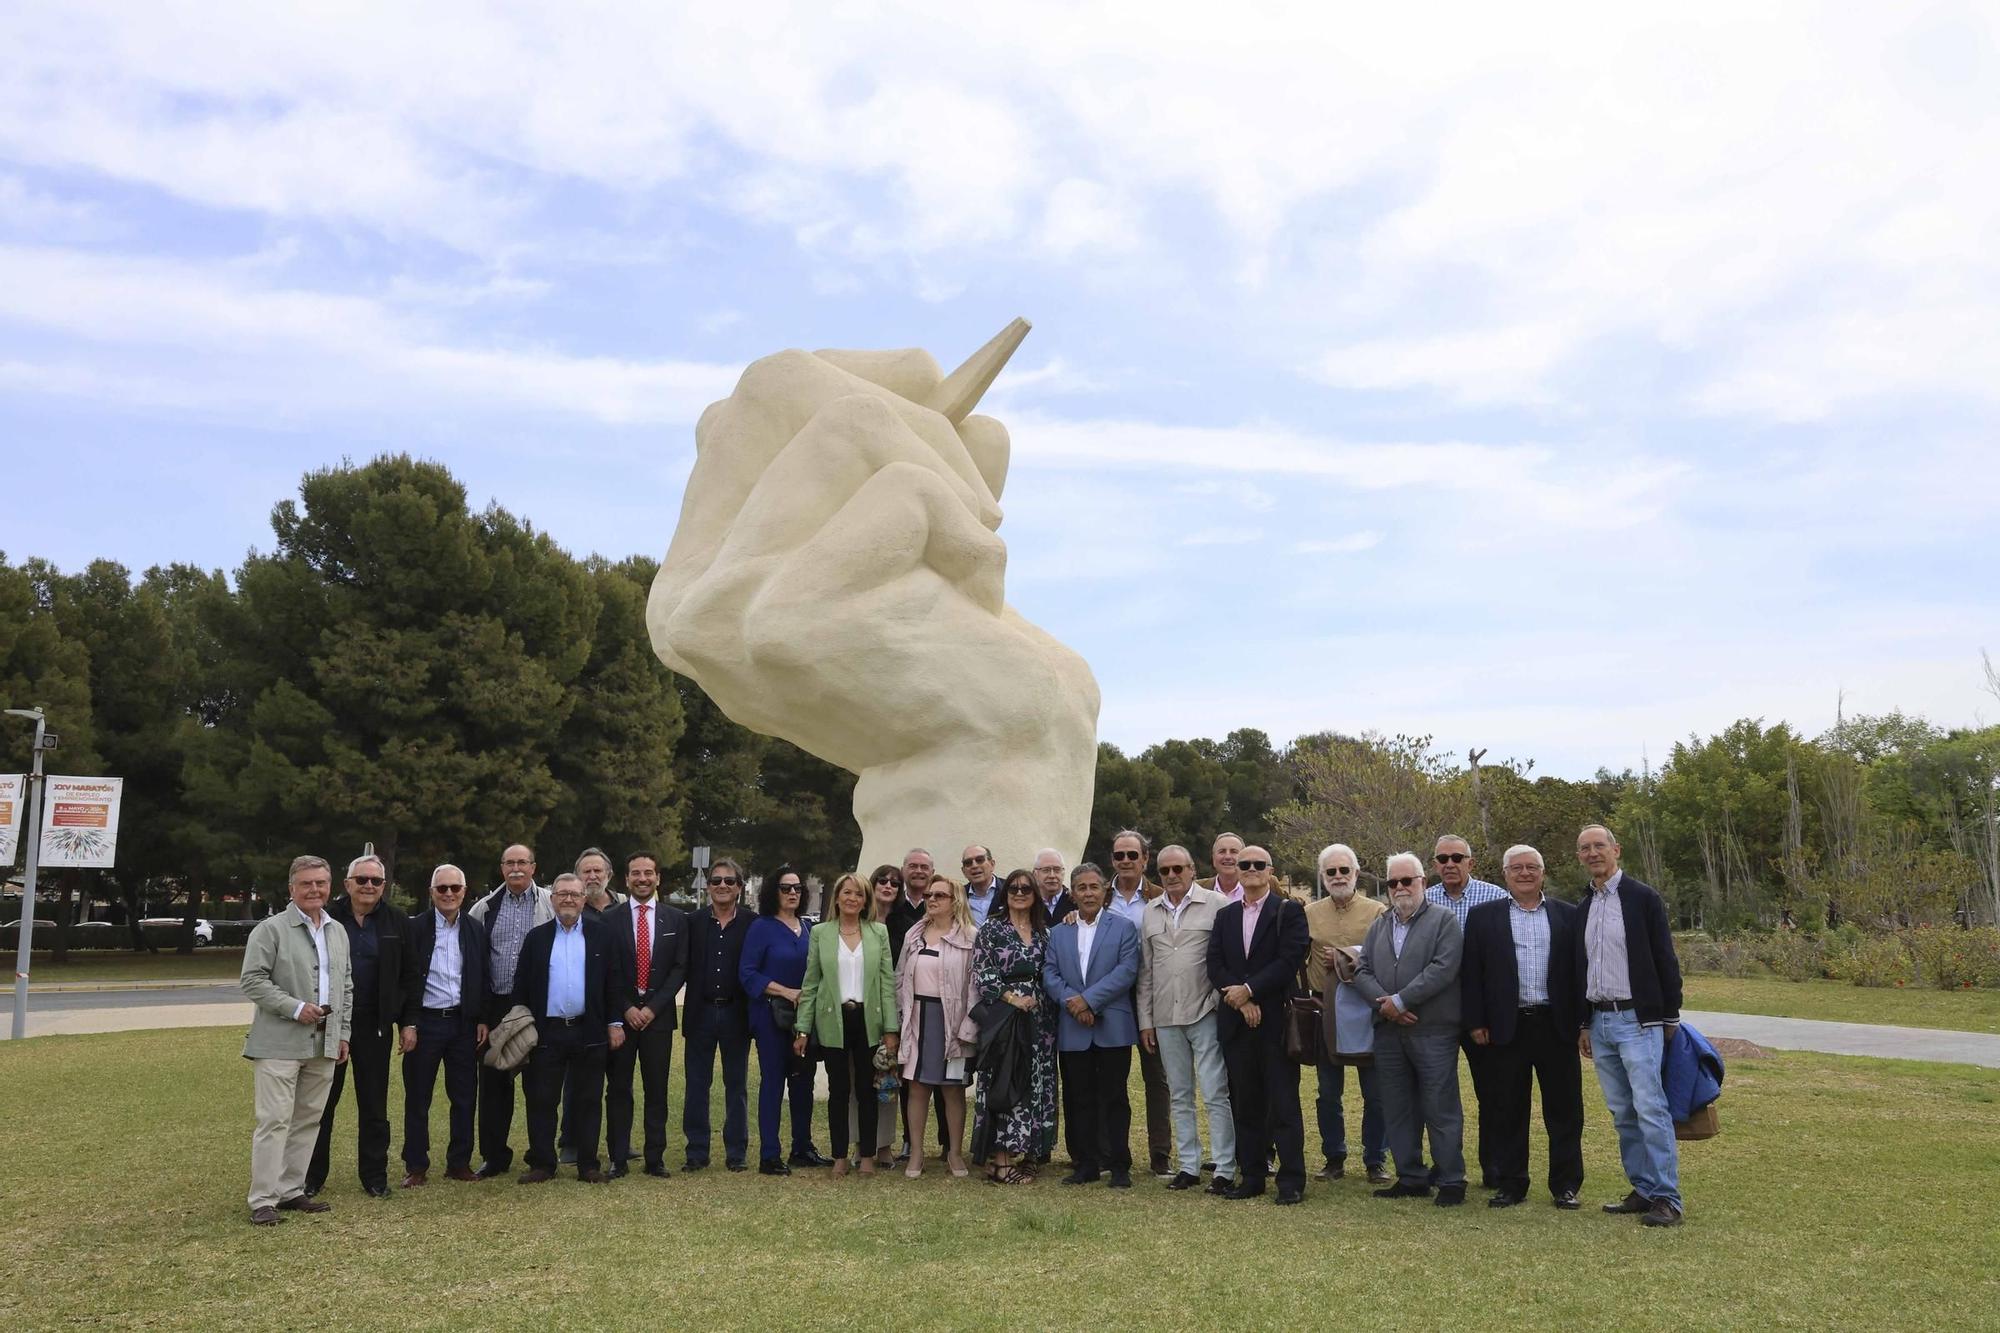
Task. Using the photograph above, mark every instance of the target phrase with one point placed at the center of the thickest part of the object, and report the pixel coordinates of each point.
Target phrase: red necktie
(645, 947)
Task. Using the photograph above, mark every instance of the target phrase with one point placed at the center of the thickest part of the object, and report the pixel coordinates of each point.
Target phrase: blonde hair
(961, 911)
(833, 897)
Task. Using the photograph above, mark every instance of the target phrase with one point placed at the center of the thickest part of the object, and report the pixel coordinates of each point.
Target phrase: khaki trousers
(291, 1095)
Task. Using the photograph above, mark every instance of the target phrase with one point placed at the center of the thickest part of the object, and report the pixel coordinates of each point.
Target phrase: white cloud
(1351, 544)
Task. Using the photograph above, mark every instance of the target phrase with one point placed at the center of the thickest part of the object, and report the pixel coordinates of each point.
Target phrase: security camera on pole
(44, 742)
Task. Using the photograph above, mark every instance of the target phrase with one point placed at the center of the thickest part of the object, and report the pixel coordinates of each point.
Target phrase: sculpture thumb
(959, 392)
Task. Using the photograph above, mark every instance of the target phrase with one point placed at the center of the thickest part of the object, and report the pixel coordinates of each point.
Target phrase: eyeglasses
(366, 879)
(1253, 865)
(1402, 880)
(972, 861)
(515, 863)
(723, 881)
(1522, 868)
(937, 897)
(1450, 858)
(788, 888)
(1337, 872)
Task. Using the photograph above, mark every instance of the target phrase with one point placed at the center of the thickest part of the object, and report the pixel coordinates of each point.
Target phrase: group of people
(1003, 995)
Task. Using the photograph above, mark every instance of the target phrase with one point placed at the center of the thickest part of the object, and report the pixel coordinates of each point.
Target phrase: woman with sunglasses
(1007, 960)
(848, 1005)
(934, 997)
(892, 907)
(773, 968)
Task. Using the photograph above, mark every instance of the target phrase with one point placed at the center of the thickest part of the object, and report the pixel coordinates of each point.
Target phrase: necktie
(645, 943)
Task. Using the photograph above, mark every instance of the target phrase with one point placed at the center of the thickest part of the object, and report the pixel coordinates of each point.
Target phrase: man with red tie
(649, 962)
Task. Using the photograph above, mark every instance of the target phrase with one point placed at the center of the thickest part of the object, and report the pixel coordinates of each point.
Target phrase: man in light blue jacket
(1090, 968)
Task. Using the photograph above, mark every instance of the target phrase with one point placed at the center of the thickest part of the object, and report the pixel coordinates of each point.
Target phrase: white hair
(1048, 853)
(1523, 847)
(441, 869)
(1333, 847)
(1453, 837)
(363, 860)
(1389, 870)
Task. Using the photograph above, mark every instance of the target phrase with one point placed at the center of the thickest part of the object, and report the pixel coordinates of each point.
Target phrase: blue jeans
(713, 1028)
(1333, 1120)
(1628, 1057)
(1191, 1054)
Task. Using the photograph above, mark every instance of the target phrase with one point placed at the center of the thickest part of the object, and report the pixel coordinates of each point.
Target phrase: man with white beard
(1339, 921)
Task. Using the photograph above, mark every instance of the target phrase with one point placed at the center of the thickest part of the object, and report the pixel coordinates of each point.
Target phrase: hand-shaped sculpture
(835, 580)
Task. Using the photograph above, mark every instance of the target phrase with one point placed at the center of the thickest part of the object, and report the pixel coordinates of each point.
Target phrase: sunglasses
(448, 888)
(1253, 865)
(889, 879)
(788, 888)
(937, 897)
(1402, 880)
(1174, 870)
(1021, 888)
(972, 861)
(1450, 858)
(1337, 872)
(366, 879)
(1127, 856)
(723, 881)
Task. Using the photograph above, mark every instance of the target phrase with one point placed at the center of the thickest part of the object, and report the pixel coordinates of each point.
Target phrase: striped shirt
(1477, 891)
(1531, 950)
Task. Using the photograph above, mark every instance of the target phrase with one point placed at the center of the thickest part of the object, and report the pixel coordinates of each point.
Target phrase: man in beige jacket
(1176, 1004)
(295, 970)
(1339, 921)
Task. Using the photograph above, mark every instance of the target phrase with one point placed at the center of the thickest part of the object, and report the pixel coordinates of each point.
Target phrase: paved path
(1812, 1034)
(67, 1012)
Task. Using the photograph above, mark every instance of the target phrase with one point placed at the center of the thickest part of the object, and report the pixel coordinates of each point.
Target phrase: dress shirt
(852, 984)
(512, 917)
(319, 944)
(1174, 909)
(1251, 911)
(1477, 891)
(364, 955)
(980, 906)
(1609, 974)
(566, 971)
(1399, 930)
(1133, 909)
(719, 979)
(1531, 949)
(1234, 895)
(447, 974)
(1086, 936)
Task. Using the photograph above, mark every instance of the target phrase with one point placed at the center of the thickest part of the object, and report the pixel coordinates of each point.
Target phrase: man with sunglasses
(977, 862)
(444, 1003)
(1340, 921)
(1127, 896)
(375, 931)
(1409, 972)
(1460, 892)
(716, 1017)
(1176, 1006)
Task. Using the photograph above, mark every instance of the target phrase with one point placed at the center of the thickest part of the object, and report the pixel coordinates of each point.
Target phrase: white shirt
(1175, 909)
(851, 984)
(1086, 935)
(442, 986)
(319, 943)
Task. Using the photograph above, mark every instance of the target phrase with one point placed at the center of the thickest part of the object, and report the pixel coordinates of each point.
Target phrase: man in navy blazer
(1088, 973)
(566, 980)
(646, 1003)
(444, 1024)
(1255, 976)
(1517, 1004)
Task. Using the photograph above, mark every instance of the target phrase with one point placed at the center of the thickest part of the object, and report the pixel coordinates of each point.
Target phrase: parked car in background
(204, 933)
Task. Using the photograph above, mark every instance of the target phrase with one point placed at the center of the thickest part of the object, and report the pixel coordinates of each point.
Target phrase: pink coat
(955, 955)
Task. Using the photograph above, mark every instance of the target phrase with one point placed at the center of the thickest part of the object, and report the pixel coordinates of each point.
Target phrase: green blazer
(819, 997)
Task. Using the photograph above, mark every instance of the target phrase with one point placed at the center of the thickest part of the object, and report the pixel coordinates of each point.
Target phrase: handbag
(1305, 1017)
(784, 1014)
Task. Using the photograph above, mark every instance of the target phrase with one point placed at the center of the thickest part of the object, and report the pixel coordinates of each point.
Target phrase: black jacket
(669, 962)
(1489, 982)
(1277, 952)
(714, 956)
(531, 976)
(1649, 954)
(390, 928)
(421, 942)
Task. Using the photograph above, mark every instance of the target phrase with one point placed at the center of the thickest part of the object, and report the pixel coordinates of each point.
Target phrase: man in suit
(715, 1017)
(649, 957)
(1409, 971)
(1088, 974)
(295, 972)
(1254, 953)
(506, 915)
(565, 980)
(1177, 1016)
(1517, 1006)
(1050, 876)
(444, 1024)
(375, 930)
(1628, 1009)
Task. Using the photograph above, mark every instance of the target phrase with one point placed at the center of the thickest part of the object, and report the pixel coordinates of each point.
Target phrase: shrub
(1791, 954)
(1953, 959)
(1872, 960)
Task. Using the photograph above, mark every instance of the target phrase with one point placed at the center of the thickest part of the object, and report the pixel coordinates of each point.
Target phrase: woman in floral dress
(1007, 963)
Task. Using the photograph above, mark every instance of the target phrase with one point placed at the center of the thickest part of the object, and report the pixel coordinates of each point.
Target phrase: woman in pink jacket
(934, 995)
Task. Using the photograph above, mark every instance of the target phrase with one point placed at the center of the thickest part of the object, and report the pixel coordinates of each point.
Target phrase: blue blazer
(1114, 968)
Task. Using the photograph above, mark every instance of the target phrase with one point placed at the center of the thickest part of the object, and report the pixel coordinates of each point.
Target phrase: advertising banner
(80, 821)
(13, 806)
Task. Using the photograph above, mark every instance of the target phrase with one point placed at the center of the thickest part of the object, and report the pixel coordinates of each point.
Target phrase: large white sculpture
(836, 580)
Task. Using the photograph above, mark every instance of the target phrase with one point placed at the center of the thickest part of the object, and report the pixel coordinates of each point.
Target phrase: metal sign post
(33, 831)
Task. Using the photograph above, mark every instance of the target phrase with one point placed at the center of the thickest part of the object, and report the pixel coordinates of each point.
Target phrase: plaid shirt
(513, 916)
(1477, 891)
(1531, 950)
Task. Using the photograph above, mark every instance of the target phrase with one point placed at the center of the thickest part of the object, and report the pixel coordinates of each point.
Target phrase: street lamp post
(32, 831)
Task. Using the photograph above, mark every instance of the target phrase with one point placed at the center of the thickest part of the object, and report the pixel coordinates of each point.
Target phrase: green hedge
(1943, 957)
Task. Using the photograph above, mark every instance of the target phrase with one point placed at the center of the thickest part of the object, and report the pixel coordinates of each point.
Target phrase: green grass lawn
(1842, 1192)
(1959, 1011)
(124, 965)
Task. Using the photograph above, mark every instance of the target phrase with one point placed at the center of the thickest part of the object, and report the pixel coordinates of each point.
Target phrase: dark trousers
(568, 1056)
(712, 1028)
(1538, 1054)
(1159, 1109)
(446, 1041)
(850, 1068)
(1097, 1107)
(780, 1078)
(1333, 1119)
(1264, 1094)
(368, 1055)
(1478, 1060)
(650, 1055)
(496, 1098)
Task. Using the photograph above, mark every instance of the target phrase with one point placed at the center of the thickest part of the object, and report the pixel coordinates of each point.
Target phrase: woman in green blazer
(848, 1005)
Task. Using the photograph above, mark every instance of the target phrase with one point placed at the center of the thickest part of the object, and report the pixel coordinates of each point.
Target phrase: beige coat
(1332, 924)
(281, 972)
(1174, 989)
(955, 994)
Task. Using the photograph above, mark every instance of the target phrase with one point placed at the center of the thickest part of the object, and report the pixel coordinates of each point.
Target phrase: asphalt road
(68, 1001)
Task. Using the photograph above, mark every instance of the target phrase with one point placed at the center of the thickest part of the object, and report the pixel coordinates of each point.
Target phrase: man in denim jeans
(1631, 984)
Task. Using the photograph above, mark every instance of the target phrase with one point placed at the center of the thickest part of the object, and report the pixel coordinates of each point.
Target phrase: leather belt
(851, 1004)
(563, 1022)
(1530, 1010)
(1612, 1006)
(440, 1013)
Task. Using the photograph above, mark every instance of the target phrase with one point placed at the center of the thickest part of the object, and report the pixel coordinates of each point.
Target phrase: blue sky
(1558, 386)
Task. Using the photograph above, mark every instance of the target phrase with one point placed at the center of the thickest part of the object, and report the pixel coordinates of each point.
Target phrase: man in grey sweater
(1409, 972)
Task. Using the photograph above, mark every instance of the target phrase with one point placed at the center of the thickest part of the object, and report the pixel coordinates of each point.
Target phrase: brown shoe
(416, 1180)
(592, 1177)
(267, 1216)
(536, 1177)
(300, 1203)
(462, 1173)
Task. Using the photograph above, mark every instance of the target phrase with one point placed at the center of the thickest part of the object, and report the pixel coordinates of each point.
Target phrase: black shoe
(1567, 1201)
(567, 1157)
(770, 1166)
(1220, 1187)
(1183, 1181)
(657, 1169)
(1082, 1177)
(1247, 1189)
(736, 1164)
(1506, 1199)
(1378, 1174)
(312, 1188)
(1291, 1194)
(1332, 1171)
(1634, 1202)
(378, 1191)
(1401, 1191)
(1162, 1165)
(1208, 1168)
(809, 1157)
(1121, 1180)
(1449, 1196)
(490, 1170)
(1661, 1213)
(695, 1164)
(903, 1153)
(617, 1172)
